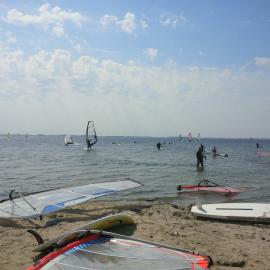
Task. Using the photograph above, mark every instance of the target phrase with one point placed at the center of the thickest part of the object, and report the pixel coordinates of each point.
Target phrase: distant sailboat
(91, 136)
(68, 140)
(199, 137)
(189, 137)
(180, 137)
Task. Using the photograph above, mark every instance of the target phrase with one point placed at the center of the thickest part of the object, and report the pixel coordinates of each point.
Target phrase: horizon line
(137, 136)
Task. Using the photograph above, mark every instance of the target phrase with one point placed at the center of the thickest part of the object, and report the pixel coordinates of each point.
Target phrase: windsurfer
(89, 143)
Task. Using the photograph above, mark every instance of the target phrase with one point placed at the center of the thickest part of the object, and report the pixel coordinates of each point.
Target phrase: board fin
(200, 207)
(37, 236)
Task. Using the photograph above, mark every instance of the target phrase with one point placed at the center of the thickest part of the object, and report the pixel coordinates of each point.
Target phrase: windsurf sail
(109, 251)
(198, 136)
(91, 136)
(180, 137)
(207, 185)
(189, 137)
(105, 223)
(68, 140)
(38, 204)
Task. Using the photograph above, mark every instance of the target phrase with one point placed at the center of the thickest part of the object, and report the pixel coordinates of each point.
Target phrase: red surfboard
(209, 186)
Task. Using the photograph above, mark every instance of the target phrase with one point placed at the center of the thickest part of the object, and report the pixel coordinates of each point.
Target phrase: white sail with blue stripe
(39, 204)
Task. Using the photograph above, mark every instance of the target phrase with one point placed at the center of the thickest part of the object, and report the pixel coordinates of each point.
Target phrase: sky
(136, 68)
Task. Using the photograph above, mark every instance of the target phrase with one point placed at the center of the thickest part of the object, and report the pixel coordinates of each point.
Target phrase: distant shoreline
(185, 138)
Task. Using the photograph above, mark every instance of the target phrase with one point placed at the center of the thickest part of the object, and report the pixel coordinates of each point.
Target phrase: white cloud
(56, 89)
(151, 53)
(48, 17)
(144, 24)
(262, 61)
(165, 21)
(77, 47)
(58, 30)
(171, 20)
(108, 20)
(10, 38)
(127, 24)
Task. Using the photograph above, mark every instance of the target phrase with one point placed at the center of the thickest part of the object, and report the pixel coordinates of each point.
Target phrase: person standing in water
(214, 150)
(89, 143)
(200, 157)
(202, 147)
(158, 145)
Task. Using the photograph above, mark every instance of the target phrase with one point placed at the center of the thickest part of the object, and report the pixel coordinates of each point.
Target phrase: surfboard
(209, 152)
(38, 204)
(249, 212)
(220, 190)
(110, 251)
(221, 154)
(263, 154)
(207, 185)
(104, 223)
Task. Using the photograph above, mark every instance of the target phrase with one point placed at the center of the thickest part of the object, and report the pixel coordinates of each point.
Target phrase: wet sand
(231, 245)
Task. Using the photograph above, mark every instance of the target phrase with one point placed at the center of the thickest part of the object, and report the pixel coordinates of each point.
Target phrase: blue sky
(155, 68)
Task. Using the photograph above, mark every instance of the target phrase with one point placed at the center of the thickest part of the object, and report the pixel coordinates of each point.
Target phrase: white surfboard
(250, 212)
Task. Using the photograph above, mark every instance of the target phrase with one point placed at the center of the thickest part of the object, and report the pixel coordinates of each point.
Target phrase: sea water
(37, 162)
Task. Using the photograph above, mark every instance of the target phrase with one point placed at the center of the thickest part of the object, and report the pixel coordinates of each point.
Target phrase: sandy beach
(231, 245)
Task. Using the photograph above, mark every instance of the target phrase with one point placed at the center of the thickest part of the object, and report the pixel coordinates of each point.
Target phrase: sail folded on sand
(110, 251)
(38, 204)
